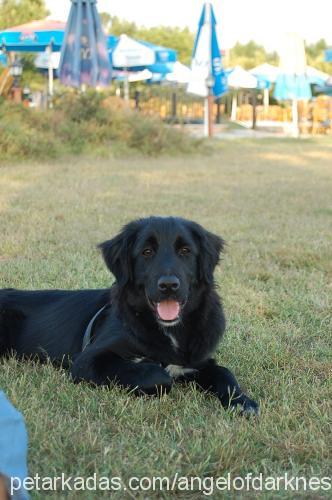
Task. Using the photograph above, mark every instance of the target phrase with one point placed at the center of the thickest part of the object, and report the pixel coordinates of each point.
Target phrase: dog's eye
(147, 252)
(184, 251)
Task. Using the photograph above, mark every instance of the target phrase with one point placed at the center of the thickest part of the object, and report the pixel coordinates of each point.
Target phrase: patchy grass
(271, 201)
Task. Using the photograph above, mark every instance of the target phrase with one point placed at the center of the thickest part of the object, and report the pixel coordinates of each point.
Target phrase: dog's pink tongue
(168, 310)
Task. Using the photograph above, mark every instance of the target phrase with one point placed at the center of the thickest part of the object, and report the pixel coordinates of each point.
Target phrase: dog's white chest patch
(138, 360)
(174, 342)
(176, 371)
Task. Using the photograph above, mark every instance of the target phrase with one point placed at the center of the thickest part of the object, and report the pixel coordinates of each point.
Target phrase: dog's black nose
(168, 284)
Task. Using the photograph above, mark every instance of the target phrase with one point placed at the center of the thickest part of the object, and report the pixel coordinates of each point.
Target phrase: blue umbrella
(292, 86)
(328, 55)
(208, 77)
(164, 58)
(35, 36)
(136, 55)
(292, 82)
(206, 59)
(84, 58)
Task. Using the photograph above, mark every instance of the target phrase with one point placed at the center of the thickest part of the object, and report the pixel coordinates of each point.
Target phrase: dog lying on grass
(161, 321)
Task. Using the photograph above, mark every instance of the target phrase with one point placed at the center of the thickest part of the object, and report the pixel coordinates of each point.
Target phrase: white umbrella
(134, 76)
(239, 78)
(316, 76)
(266, 72)
(180, 74)
(131, 54)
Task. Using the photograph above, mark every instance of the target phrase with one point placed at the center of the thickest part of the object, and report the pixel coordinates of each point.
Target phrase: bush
(86, 122)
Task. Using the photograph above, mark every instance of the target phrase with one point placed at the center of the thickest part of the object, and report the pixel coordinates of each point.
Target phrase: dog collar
(88, 338)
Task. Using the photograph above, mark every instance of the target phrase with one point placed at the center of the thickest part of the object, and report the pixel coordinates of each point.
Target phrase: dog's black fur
(153, 260)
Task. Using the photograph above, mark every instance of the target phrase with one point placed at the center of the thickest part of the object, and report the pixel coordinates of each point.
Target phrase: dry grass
(271, 201)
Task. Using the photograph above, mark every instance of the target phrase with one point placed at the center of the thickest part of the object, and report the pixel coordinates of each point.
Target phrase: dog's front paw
(249, 408)
(153, 381)
(245, 406)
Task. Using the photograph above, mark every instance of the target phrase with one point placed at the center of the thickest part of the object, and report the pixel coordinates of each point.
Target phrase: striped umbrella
(84, 57)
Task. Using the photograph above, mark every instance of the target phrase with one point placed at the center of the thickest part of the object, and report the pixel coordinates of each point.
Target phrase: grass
(271, 201)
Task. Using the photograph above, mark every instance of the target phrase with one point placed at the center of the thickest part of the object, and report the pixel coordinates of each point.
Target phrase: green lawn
(272, 202)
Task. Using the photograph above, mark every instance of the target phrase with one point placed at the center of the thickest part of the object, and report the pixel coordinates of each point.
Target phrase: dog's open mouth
(167, 311)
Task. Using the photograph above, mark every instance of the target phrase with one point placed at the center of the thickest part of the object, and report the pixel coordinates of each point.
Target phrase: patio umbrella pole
(292, 83)
(234, 107)
(206, 117)
(126, 86)
(50, 76)
(266, 100)
(210, 113)
(295, 119)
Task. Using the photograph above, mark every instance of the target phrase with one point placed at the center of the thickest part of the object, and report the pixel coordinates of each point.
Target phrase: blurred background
(274, 59)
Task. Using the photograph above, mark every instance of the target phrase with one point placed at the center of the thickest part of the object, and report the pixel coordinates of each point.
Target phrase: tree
(250, 55)
(315, 55)
(179, 39)
(106, 21)
(15, 12)
(117, 26)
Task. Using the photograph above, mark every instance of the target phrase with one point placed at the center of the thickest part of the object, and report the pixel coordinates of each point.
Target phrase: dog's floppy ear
(210, 248)
(117, 253)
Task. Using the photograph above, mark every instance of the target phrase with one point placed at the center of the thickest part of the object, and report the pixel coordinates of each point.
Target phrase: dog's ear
(117, 254)
(210, 248)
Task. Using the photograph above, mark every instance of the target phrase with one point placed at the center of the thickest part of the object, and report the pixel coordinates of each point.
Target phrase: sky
(265, 21)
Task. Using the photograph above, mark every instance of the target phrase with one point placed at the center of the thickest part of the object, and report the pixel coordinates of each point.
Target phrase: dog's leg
(221, 382)
(104, 367)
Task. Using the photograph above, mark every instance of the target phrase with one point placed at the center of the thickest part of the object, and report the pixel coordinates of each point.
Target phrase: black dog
(161, 320)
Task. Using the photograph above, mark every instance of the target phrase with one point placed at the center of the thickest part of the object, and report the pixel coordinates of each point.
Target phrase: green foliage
(15, 12)
(180, 39)
(250, 55)
(81, 107)
(119, 26)
(86, 122)
(315, 55)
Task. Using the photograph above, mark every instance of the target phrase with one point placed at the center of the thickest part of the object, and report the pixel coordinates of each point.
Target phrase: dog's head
(162, 262)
